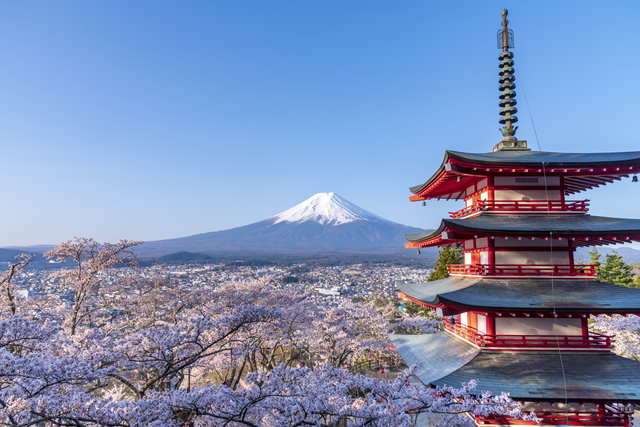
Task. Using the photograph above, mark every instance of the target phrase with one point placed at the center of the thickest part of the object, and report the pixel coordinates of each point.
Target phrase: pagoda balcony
(593, 341)
(523, 207)
(522, 271)
(605, 416)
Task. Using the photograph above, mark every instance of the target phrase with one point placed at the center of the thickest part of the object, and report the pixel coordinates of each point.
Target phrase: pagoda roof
(452, 354)
(534, 158)
(530, 295)
(530, 376)
(586, 230)
(581, 170)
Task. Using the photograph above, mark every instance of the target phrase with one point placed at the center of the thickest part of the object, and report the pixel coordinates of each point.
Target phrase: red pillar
(601, 413)
(491, 324)
(571, 249)
(472, 320)
(490, 189)
(585, 326)
(491, 259)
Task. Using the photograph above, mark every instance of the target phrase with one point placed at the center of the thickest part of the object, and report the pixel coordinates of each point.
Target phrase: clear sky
(155, 119)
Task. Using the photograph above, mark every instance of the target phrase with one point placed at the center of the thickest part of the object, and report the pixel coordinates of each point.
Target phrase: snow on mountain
(326, 209)
(324, 223)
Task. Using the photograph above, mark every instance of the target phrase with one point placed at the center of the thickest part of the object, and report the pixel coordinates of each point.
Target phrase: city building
(517, 310)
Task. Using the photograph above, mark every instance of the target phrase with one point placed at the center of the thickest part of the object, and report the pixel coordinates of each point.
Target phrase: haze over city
(153, 120)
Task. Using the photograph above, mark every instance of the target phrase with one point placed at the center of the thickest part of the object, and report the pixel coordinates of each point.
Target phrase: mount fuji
(324, 223)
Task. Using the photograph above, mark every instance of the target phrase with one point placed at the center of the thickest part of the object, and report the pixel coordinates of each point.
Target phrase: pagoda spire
(507, 93)
(507, 85)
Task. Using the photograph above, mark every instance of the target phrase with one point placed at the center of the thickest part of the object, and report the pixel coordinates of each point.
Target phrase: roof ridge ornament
(507, 93)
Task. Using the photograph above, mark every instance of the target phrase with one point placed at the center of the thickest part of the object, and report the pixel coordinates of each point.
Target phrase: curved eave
(525, 296)
(429, 238)
(425, 240)
(551, 159)
(452, 354)
(419, 188)
(443, 359)
(581, 170)
(584, 230)
(439, 179)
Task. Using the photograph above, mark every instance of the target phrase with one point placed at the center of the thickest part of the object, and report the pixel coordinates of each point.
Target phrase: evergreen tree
(446, 256)
(594, 258)
(616, 271)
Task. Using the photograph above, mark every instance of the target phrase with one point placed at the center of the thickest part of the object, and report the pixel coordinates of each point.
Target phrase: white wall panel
(482, 324)
(532, 258)
(520, 195)
(464, 319)
(537, 326)
(528, 243)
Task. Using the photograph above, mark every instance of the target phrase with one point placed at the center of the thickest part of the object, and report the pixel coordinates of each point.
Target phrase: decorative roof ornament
(507, 93)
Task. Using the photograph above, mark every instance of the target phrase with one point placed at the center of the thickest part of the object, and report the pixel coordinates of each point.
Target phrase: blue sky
(154, 119)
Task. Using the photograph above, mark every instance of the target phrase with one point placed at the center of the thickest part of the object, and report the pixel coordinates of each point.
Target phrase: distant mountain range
(324, 223)
(630, 255)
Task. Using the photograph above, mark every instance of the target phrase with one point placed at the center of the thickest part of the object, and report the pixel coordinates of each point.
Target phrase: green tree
(594, 258)
(616, 271)
(446, 256)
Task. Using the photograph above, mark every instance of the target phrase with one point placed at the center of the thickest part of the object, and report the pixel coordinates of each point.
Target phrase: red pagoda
(517, 311)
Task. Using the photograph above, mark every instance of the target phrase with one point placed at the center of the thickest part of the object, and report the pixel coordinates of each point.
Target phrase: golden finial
(505, 30)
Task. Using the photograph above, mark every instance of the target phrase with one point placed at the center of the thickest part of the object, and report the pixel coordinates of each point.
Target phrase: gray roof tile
(535, 225)
(527, 295)
(590, 377)
(438, 354)
(535, 158)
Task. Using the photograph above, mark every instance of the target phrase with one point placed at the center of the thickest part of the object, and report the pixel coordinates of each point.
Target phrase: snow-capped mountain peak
(325, 223)
(326, 209)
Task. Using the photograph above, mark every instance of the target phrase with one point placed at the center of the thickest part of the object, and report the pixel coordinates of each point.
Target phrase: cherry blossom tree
(304, 332)
(8, 289)
(146, 351)
(626, 330)
(328, 395)
(88, 280)
(139, 302)
(51, 380)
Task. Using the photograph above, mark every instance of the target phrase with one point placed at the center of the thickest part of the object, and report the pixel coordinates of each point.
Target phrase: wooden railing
(608, 417)
(592, 341)
(521, 270)
(523, 206)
